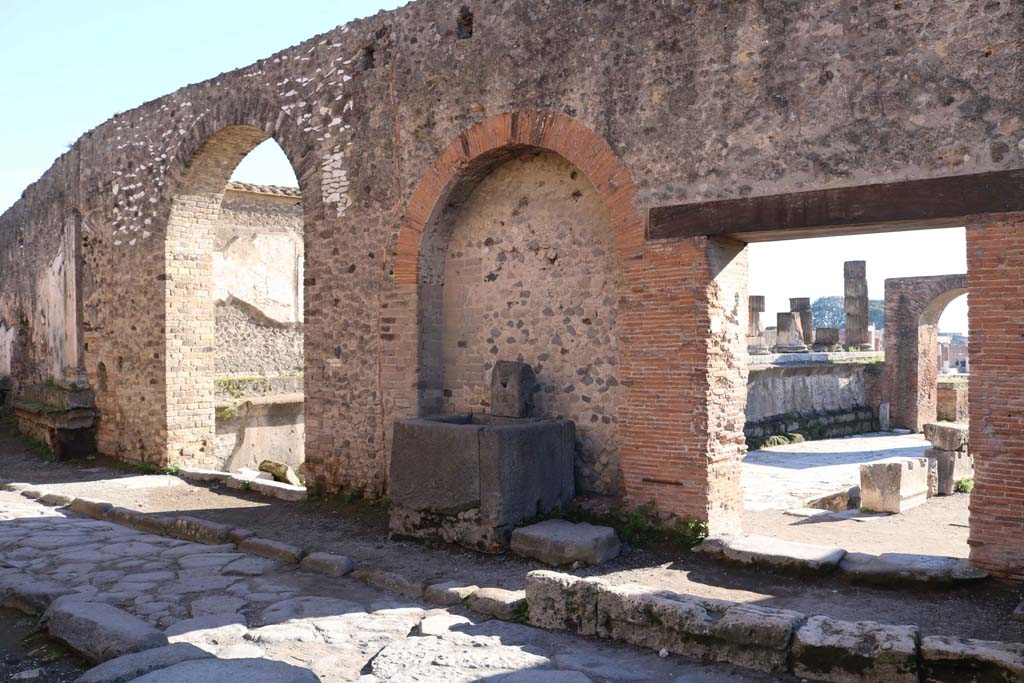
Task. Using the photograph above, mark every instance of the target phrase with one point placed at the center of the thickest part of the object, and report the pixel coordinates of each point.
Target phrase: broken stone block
(281, 472)
(512, 385)
(947, 436)
(562, 601)
(448, 593)
(329, 564)
(827, 649)
(28, 593)
(497, 602)
(768, 551)
(951, 468)
(100, 631)
(933, 476)
(200, 475)
(960, 660)
(894, 485)
(559, 542)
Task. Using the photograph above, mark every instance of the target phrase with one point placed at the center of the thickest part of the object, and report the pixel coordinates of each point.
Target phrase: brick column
(995, 262)
(684, 323)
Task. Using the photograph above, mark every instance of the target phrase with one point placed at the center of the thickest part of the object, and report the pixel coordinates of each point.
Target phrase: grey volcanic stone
(559, 542)
(546, 677)
(231, 671)
(434, 467)
(328, 563)
(129, 667)
(855, 652)
(29, 594)
(901, 568)
(774, 552)
(947, 436)
(100, 631)
(497, 602)
(1018, 613)
(959, 660)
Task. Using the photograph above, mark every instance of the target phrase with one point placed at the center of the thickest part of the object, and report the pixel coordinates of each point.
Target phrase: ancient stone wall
(530, 275)
(805, 390)
(389, 118)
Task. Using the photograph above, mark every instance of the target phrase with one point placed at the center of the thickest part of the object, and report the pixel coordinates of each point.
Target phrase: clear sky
(69, 65)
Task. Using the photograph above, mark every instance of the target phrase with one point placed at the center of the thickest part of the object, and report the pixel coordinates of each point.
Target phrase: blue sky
(69, 65)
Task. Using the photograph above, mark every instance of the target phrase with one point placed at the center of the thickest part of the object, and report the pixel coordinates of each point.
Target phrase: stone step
(903, 568)
(776, 553)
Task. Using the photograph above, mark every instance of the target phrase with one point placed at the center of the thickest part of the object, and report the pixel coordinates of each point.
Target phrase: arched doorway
(913, 307)
(223, 312)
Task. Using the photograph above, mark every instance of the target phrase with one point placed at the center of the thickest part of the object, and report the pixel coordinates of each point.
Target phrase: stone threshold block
(894, 485)
(904, 568)
(951, 468)
(558, 542)
(202, 476)
(827, 649)
(276, 489)
(100, 631)
(776, 553)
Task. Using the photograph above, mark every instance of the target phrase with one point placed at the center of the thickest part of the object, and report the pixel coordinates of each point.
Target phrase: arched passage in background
(913, 307)
(190, 310)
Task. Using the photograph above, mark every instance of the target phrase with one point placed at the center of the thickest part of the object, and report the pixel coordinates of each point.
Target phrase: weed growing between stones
(965, 486)
(521, 613)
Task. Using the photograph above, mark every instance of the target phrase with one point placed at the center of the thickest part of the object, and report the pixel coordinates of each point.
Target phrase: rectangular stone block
(827, 649)
(947, 436)
(563, 602)
(894, 485)
(959, 660)
(951, 467)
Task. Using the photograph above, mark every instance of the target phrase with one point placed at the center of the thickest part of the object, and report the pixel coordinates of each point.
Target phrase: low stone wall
(260, 428)
(817, 401)
(951, 401)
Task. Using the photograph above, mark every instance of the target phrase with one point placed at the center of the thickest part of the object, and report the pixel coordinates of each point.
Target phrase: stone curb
(268, 488)
(778, 641)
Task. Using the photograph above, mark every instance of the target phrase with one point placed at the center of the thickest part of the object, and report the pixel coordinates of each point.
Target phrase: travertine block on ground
(696, 627)
(827, 649)
(947, 436)
(497, 602)
(449, 593)
(198, 474)
(767, 551)
(960, 660)
(279, 490)
(562, 601)
(559, 542)
(894, 485)
(951, 467)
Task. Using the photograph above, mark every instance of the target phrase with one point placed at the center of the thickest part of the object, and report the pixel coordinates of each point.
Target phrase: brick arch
(913, 306)
(203, 162)
(477, 150)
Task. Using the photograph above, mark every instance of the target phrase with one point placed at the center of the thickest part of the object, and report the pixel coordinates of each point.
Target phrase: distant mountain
(828, 311)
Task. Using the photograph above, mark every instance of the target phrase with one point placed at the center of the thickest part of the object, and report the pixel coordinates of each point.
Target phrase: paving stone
(599, 666)
(131, 666)
(774, 552)
(208, 560)
(209, 633)
(29, 594)
(443, 661)
(448, 593)
(559, 542)
(902, 568)
(391, 582)
(960, 660)
(544, 677)
(293, 632)
(306, 608)
(231, 671)
(216, 604)
(100, 631)
(497, 602)
(196, 549)
(854, 652)
(1018, 613)
(239, 534)
(273, 550)
(242, 651)
(252, 566)
(328, 563)
(200, 530)
(440, 624)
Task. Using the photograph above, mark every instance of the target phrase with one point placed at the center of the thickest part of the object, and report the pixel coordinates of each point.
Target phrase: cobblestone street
(237, 606)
